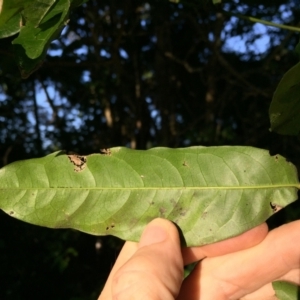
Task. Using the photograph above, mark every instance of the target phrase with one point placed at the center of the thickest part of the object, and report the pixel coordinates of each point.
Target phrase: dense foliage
(137, 74)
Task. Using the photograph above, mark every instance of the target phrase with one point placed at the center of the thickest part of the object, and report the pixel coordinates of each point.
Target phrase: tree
(147, 74)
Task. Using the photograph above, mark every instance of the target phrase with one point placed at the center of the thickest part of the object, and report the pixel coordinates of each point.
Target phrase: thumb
(155, 270)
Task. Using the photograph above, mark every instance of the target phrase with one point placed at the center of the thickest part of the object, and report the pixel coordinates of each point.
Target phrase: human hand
(153, 268)
(248, 274)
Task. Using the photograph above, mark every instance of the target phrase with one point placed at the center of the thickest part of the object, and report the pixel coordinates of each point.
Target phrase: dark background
(136, 74)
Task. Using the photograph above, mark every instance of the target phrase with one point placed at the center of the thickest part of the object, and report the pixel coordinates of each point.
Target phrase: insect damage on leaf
(78, 161)
(275, 207)
(185, 164)
(105, 151)
(110, 226)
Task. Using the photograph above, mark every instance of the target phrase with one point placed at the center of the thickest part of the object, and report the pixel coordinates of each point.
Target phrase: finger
(127, 251)
(190, 255)
(155, 270)
(264, 293)
(267, 292)
(245, 240)
(235, 275)
(292, 276)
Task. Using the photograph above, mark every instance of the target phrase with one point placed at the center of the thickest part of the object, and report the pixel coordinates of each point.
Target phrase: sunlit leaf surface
(212, 193)
(10, 16)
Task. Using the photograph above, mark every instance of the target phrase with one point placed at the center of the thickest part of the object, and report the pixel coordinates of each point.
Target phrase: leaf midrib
(276, 186)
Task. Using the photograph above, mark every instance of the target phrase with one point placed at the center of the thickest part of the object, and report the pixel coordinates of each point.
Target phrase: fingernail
(152, 235)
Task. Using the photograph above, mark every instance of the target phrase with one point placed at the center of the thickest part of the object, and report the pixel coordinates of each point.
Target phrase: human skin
(242, 267)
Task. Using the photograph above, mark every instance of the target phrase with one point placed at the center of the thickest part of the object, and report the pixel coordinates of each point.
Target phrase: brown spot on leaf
(173, 201)
(11, 213)
(105, 151)
(78, 161)
(110, 226)
(185, 164)
(275, 207)
(162, 211)
(203, 216)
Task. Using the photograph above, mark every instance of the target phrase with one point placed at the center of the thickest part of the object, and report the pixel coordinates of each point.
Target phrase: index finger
(245, 240)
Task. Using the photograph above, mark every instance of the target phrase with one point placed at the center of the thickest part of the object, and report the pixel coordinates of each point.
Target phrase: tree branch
(238, 75)
(185, 64)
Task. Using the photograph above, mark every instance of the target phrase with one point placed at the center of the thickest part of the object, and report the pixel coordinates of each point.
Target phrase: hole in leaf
(78, 161)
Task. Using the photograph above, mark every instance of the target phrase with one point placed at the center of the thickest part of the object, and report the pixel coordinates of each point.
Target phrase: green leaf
(11, 12)
(26, 65)
(11, 27)
(44, 21)
(286, 291)
(36, 11)
(285, 107)
(39, 23)
(10, 17)
(37, 33)
(212, 193)
(75, 3)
